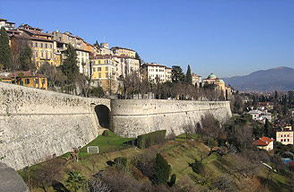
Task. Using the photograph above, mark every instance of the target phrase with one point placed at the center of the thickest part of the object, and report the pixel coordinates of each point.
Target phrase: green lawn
(109, 143)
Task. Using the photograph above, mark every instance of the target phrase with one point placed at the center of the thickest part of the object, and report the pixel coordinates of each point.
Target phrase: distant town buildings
(285, 136)
(261, 116)
(196, 79)
(264, 143)
(156, 73)
(6, 24)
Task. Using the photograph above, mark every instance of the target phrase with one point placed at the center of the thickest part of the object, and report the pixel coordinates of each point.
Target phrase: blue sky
(227, 37)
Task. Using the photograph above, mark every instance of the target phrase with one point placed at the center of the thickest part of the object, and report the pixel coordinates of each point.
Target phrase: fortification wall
(130, 118)
(35, 124)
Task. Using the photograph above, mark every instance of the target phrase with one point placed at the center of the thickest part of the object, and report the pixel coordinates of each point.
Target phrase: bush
(96, 92)
(172, 181)
(106, 133)
(147, 140)
(197, 166)
(161, 170)
(120, 161)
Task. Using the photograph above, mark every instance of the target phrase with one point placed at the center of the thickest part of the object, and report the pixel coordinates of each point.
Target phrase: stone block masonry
(131, 118)
(36, 125)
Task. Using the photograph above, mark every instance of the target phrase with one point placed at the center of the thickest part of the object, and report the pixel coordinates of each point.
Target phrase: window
(32, 44)
(36, 44)
(99, 75)
(94, 69)
(41, 45)
(46, 45)
(43, 81)
(50, 46)
(42, 54)
(99, 69)
(37, 81)
(106, 68)
(27, 81)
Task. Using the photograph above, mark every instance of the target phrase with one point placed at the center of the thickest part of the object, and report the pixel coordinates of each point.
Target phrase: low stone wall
(36, 125)
(130, 118)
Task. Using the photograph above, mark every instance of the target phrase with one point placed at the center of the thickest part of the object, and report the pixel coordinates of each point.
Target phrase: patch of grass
(109, 143)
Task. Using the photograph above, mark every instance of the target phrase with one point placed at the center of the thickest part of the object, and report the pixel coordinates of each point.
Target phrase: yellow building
(41, 43)
(119, 51)
(29, 79)
(104, 72)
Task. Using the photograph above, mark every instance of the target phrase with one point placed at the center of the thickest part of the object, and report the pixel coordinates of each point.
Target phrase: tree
(138, 57)
(75, 181)
(161, 170)
(189, 76)
(5, 51)
(25, 57)
(69, 66)
(177, 74)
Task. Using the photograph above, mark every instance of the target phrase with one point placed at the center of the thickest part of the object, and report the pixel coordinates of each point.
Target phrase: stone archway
(103, 114)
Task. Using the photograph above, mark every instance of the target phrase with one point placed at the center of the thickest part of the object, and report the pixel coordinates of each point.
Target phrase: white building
(6, 24)
(156, 73)
(259, 115)
(196, 79)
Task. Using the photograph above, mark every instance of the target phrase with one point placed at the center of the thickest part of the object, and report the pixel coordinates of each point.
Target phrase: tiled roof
(25, 74)
(122, 48)
(263, 141)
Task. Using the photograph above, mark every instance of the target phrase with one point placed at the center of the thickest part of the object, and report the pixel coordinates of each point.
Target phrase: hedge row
(149, 139)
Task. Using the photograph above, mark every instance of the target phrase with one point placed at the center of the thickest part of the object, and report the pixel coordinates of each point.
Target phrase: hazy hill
(281, 79)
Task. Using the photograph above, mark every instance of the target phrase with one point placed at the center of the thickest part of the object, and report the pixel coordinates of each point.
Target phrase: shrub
(120, 161)
(197, 166)
(97, 92)
(149, 139)
(161, 170)
(106, 133)
(172, 180)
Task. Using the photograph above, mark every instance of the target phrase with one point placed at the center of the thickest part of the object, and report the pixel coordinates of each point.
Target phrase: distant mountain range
(280, 79)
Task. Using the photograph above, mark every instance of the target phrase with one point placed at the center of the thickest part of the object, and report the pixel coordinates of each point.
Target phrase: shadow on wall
(103, 114)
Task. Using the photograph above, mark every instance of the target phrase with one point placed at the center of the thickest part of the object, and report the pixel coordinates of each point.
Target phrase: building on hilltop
(219, 84)
(264, 143)
(104, 72)
(83, 49)
(41, 43)
(6, 24)
(196, 80)
(156, 73)
(125, 52)
(25, 78)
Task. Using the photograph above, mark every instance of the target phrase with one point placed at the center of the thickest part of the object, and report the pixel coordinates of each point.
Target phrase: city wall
(131, 118)
(36, 125)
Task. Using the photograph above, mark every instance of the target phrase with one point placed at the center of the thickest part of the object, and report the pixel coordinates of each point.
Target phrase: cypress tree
(189, 75)
(161, 170)
(25, 58)
(69, 66)
(5, 51)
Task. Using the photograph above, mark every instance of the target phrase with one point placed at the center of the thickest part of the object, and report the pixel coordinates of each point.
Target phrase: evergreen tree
(268, 131)
(25, 58)
(177, 74)
(5, 51)
(189, 75)
(97, 44)
(69, 66)
(161, 170)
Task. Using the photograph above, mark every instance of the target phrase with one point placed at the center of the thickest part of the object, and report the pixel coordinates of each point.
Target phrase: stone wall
(131, 118)
(36, 125)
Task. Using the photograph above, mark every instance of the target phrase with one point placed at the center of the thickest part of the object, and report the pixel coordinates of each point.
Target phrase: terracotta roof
(35, 32)
(25, 74)
(155, 65)
(122, 48)
(263, 141)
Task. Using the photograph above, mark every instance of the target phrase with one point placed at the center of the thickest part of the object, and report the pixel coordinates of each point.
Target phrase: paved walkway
(10, 181)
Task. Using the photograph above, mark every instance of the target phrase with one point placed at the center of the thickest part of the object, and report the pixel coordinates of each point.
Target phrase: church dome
(220, 81)
(211, 76)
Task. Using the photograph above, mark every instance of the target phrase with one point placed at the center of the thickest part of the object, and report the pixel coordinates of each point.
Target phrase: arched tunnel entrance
(103, 114)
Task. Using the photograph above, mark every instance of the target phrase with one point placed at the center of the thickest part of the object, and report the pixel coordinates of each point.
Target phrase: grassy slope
(179, 154)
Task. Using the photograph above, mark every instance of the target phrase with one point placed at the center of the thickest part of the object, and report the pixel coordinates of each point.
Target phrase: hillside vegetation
(196, 164)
